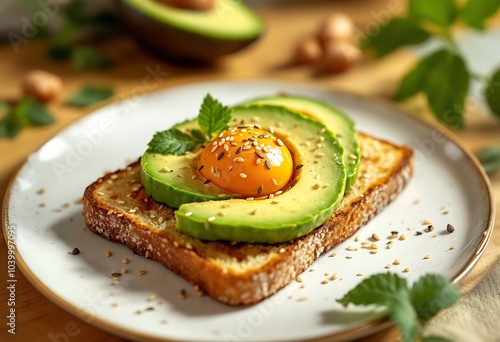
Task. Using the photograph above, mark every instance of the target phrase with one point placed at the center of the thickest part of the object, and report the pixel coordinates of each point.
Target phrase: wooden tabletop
(38, 319)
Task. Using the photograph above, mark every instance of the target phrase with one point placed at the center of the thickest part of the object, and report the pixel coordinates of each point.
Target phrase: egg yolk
(248, 161)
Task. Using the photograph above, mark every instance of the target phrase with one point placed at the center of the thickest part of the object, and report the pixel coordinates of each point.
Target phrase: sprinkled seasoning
(108, 253)
(430, 228)
(359, 274)
(299, 279)
(74, 251)
(406, 270)
(427, 257)
(143, 272)
(182, 294)
(298, 167)
(325, 281)
(189, 213)
(125, 260)
(375, 237)
(201, 167)
(268, 164)
(396, 262)
(115, 274)
(333, 254)
(334, 276)
(450, 228)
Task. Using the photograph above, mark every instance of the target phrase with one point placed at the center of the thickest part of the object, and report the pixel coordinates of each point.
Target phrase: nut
(340, 56)
(307, 50)
(42, 85)
(338, 27)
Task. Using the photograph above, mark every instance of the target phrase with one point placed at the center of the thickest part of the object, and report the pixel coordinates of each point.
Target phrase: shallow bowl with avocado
(188, 36)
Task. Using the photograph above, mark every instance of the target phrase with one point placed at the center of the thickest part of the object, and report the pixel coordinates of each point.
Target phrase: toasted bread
(117, 207)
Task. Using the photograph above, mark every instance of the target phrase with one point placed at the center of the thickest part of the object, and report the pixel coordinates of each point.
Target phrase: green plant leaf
(171, 141)
(442, 12)
(490, 158)
(403, 314)
(475, 13)
(492, 93)
(213, 117)
(446, 88)
(414, 81)
(87, 57)
(89, 95)
(30, 112)
(397, 33)
(432, 293)
(198, 135)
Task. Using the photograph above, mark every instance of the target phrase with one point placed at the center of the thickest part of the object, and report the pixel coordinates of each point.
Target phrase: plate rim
(358, 331)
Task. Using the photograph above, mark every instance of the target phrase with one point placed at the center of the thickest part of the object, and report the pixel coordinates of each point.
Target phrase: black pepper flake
(241, 126)
(252, 139)
(74, 251)
(450, 228)
(259, 154)
(219, 157)
(268, 164)
(394, 232)
(116, 275)
(207, 181)
(418, 233)
(201, 167)
(238, 150)
(261, 136)
(299, 166)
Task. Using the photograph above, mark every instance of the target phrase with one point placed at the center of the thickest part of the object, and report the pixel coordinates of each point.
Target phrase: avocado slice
(332, 118)
(187, 35)
(306, 205)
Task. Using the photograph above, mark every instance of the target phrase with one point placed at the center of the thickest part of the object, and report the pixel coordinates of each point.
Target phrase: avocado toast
(247, 268)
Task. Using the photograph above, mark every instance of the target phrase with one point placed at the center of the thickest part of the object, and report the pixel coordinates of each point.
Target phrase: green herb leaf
(475, 13)
(442, 12)
(446, 88)
(89, 95)
(172, 141)
(397, 33)
(492, 93)
(30, 112)
(199, 135)
(213, 117)
(432, 293)
(391, 291)
(414, 81)
(490, 158)
(87, 57)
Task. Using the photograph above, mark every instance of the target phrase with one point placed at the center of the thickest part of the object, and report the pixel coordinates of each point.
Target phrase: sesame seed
(193, 177)
(430, 228)
(402, 237)
(450, 228)
(299, 166)
(259, 154)
(226, 147)
(325, 281)
(213, 148)
(280, 143)
(303, 299)
(320, 155)
(259, 190)
(108, 253)
(115, 274)
(390, 244)
(189, 213)
(452, 247)
(322, 130)
(166, 169)
(220, 155)
(182, 294)
(268, 164)
(351, 248)
(211, 219)
(375, 237)
(374, 251)
(243, 175)
(120, 202)
(316, 186)
(352, 156)
(207, 181)
(406, 270)
(110, 211)
(239, 160)
(275, 182)
(388, 266)
(334, 276)
(427, 257)
(359, 275)
(221, 195)
(299, 279)
(254, 212)
(250, 198)
(246, 148)
(333, 254)
(125, 260)
(373, 246)
(396, 262)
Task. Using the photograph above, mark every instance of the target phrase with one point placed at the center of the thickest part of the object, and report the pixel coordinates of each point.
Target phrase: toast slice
(117, 207)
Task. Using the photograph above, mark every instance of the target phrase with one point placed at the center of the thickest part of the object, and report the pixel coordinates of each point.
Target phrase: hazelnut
(42, 85)
(340, 56)
(338, 27)
(307, 50)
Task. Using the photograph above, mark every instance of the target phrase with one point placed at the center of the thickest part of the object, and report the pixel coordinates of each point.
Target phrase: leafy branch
(442, 76)
(409, 307)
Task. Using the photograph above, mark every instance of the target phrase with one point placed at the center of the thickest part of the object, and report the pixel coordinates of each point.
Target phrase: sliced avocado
(189, 35)
(303, 207)
(174, 180)
(333, 118)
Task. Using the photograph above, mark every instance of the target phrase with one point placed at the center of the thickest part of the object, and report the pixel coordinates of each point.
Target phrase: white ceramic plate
(448, 188)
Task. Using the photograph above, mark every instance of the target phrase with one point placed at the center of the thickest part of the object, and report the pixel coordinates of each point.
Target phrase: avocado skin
(174, 44)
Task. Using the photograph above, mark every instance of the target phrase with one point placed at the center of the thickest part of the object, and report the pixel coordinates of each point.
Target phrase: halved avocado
(334, 119)
(303, 207)
(188, 35)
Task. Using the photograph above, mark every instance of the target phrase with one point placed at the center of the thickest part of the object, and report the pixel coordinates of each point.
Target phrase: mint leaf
(430, 294)
(490, 158)
(87, 57)
(9, 128)
(475, 13)
(171, 141)
(403, 314)
(442, 12)
(492, 93)
(32, 113)
(446, 88)
(414, 81)
(198, 135)
(213, 117)
(397, 33)
(89, 95)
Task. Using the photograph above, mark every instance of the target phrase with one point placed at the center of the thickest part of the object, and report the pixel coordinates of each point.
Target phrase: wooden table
(38, 319)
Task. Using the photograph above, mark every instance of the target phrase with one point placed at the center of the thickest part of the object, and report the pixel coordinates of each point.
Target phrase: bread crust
(118, 208)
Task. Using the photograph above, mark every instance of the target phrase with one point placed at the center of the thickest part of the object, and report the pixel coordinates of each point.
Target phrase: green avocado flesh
(306, 205)
(332, 118)
(190, 35)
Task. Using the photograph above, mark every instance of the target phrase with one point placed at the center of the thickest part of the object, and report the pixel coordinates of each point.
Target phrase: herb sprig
(213, 118)
(442, 76)
(27, 112)
(409, 307)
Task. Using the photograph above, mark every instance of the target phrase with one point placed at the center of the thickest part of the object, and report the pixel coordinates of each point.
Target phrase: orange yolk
(248, 161)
